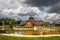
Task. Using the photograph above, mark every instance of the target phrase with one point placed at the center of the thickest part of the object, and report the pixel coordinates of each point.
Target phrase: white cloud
(22, 11)
(18, 10)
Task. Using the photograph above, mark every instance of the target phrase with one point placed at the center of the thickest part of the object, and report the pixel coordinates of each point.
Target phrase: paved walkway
(18, 35)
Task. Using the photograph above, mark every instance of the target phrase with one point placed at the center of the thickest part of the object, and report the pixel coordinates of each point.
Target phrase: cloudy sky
(47, 10)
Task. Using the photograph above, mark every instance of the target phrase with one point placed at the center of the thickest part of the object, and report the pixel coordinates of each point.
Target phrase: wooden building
(32, 22)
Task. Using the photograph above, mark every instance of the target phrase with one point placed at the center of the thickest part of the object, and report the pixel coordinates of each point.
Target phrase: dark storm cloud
(41, 2)
(55, 4)
(55, 8)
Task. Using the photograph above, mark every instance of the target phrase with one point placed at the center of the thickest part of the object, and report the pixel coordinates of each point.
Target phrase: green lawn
(28, 38)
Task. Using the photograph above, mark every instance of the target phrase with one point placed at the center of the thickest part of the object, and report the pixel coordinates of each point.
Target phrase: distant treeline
(8, 21)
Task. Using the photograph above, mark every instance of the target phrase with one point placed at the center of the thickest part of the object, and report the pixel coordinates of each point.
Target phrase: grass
(9, 30)
(28, 38)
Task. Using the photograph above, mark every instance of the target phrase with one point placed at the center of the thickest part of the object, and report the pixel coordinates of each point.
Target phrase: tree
(46, 23)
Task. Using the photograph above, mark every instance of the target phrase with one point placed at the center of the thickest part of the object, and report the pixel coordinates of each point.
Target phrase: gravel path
(18, 35)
